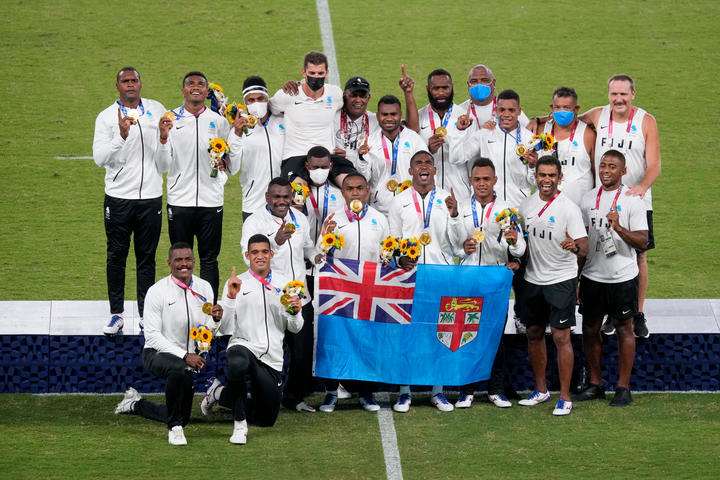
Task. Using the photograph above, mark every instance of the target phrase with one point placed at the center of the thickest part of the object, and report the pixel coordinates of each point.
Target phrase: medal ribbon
(572, 133)
(396, 145)
(186, 287)
(266, 283)
(181, 111)
(517, 138)
(475, 113)
(354, 216)
(290, 211)
(325, 202)
(344, 126)
(557, 192)
(614, 203)
(123, 109)
(445, 119)
(426, 219)
(487, 214)
(629, 122)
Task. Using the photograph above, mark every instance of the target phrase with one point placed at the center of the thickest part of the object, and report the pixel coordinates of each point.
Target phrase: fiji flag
(435, 325)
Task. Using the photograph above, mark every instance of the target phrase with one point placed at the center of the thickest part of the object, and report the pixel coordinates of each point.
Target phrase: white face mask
(259, 109)
(319, 175)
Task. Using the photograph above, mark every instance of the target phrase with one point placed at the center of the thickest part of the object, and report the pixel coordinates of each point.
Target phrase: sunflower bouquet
(542, 141)
(388, 247)
(507, 219)
(403, 186)
(232, 110)
(218, 151)
(331, 242)
(203, 339)
(410, 247)
(300, 193)
(292, 289)
(217, 96)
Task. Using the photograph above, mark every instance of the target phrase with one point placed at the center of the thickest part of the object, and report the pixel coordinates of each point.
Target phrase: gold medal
(285, 299)
(207, 308)
(170, 115)
(290, 227)
(252, 120)
(478, 236)
(133, 113)
(392, 184)
(442, 131)
(356, 206)
(425, 238)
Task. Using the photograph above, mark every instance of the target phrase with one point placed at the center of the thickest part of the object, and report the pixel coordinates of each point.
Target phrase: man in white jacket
(195, 192)
(258, 321)
(175, 305)
(126, 144)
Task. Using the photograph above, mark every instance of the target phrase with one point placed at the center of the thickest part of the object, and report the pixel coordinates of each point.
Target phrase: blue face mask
(480, 92)
(563, 117)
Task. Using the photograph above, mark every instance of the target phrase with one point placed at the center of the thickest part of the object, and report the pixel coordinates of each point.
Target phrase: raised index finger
(233, 274)
(452, 193)
(402, 69)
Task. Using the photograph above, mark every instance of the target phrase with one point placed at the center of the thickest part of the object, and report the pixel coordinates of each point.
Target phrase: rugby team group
(562, 199)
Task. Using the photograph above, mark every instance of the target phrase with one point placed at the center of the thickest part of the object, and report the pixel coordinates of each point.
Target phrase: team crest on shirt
(458, 321)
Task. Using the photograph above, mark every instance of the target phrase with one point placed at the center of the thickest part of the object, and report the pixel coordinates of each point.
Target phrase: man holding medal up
(174, 305)
(125, 144)
(427, 213)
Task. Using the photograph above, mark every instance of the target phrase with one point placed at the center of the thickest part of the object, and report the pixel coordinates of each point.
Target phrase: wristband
(231, 297)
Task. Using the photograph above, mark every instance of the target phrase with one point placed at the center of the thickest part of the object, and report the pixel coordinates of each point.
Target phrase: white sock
(436, 389)
(405, 389)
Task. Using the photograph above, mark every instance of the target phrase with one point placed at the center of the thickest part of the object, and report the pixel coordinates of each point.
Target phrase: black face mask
(315, 83)
(443, 105)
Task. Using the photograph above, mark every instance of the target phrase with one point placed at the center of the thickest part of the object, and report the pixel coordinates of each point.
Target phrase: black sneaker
(607, 327)
(591, 392)
(622, 397)
(640, 328)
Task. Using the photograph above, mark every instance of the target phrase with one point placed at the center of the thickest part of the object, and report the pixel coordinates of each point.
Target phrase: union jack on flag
(366, 291)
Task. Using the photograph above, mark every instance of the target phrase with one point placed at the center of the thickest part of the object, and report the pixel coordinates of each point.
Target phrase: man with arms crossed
(556, 236)
(617, 227)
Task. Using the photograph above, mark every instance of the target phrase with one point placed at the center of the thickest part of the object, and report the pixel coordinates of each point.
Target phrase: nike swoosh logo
(298, 103)
(178, 127)
(423, 128)
(245, 293)
(406, 205)
(159, 212)
(563, 321)
(491, 141)
(172, 303)
(280, 383)
(626, 312)
(219, 210)
(603, 126)
(466, 216)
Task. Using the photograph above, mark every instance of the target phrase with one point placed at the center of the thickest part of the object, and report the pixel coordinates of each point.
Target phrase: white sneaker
(114, 327)
(403, 403)
(441, 403)
(304, 407)
(369, 404)
(500, 400)
(464, 400)
(342, 393)
(328, 405)
(211, 396)
(128, 402)
(535, 398)
(562, 407)
(240, 433)
(176, 436)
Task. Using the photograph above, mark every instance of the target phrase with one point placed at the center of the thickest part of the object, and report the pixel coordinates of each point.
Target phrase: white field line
(326, 32)
(59, 157)
(393, 467)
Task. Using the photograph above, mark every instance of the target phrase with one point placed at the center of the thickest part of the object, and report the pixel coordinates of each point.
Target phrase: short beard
(441, 105)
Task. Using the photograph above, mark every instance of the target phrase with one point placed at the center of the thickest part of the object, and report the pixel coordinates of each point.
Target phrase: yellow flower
(549, 141)
(535, 137)
(194, 333)
(341, 240)
(215, 86)
(413, 252)
(218, 145)
(389, 244)
(404, 245)
(328, 240)
(206, 336)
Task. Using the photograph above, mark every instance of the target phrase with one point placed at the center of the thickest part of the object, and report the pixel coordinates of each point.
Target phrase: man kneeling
(257, 322)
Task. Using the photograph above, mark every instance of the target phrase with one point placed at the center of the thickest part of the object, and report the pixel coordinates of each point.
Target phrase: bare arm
(652, 157)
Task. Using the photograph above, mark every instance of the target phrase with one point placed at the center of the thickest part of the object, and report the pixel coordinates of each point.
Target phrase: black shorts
(295, 167)
(617, 300)
(553, 304)
(651, 235)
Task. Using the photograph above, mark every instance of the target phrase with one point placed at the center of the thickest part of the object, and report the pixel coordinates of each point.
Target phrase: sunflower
(403, 245)
(341, 241)
(218, 145)
(206, 336)
(405, 185)
(194, 333)
(413, 252)
(549, 141)
(215, 86)
(535, 137)
(328, 240)
(389, 244)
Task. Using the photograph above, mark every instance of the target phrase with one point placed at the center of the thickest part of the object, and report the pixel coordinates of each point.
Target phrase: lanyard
(487, 214)
(266, 283)
(572, 133)
(344, 126)
(354, 216)
(614, 202)
(426, 219)
(445, 119)
(472, 107)
(123, 108)
(290, 211)
(629, 123)
(325, 202)
(517, 138)
(188, 288)
(181, 112)
(396, 146)
(557, 192)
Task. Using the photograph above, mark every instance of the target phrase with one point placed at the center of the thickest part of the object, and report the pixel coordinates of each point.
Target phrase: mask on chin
(480, 92)
(319, 176)
(315, 83)
(563, 117)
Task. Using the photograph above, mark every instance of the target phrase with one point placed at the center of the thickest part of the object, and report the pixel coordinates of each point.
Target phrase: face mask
(259, 109)
(480, 92)
(315, 83)
(319, 175)
(563, 117)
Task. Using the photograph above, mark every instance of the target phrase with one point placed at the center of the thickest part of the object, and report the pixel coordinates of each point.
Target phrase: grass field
(59, 60)
(658, 436)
